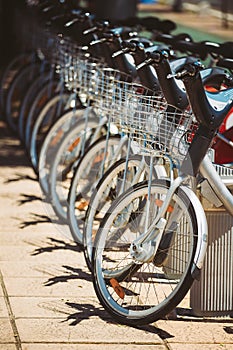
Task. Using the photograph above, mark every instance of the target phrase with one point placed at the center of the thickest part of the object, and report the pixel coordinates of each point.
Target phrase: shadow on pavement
(74, 273)
(85, 311)
(57, 244)
(11, 153)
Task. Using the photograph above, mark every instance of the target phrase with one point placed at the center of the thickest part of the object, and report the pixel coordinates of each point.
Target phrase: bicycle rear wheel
(17, 91)
(96, 160)
(28, 100)
(143, 290)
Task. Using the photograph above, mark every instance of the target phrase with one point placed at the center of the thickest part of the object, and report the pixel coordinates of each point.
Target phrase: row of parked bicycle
(127, 126)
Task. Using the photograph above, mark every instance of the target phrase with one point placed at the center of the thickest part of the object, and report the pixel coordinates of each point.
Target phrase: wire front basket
(150, 122)
(110, 88)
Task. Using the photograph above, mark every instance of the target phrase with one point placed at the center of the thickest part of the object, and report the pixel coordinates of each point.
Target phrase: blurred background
(114, 10)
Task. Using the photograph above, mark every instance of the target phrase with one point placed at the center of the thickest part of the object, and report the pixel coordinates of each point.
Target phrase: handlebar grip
(154, 23)
(108, 36)
(212, 47)
(150, 23)
(196, 48)
(99, 26)
(128, 45)
(155, 56)
(225, 63)
(184, 43)
(167, 26)
(226, 49)
(164, 38)
(90, 30)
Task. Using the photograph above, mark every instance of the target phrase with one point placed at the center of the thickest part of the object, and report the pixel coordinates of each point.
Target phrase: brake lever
(189, 71)
(178, 75)
(98, 41)
(120, 52)
(144, 63)
(68, 24)
(90, 30)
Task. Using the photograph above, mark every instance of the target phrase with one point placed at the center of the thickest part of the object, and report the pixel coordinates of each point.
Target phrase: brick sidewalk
(47, 299)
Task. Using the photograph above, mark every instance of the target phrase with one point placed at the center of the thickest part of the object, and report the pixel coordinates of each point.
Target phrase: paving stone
(8, 347)
(47, 307)
(3, 308)
(29, 269)
(94, 330)
(16, 237)
(204, 332)
(202, 346)
(15, 253)
(95, 346)
(44, 253)
(61, 285)
(6, 333)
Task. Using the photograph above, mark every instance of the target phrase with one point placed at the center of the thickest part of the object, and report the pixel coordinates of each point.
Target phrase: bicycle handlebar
(225, 62)
(154, 57)
(184, 43)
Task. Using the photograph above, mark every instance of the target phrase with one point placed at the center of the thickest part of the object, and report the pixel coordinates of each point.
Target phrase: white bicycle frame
(154, 231)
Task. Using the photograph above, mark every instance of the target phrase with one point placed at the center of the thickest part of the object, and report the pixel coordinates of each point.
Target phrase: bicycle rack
(213, 294)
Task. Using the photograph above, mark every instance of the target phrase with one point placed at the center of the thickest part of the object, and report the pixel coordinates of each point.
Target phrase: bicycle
(152, 242)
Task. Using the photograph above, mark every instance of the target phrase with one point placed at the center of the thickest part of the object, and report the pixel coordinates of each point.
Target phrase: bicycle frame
(141, 246)
(208, 171)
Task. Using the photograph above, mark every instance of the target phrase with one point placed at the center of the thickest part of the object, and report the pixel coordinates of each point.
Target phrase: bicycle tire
(123, 292)
(92, 165)
(53, 139)
(49, 113)
(9, 72)
(42, 98)
(70, 151)
(29, 97)
(16, 92)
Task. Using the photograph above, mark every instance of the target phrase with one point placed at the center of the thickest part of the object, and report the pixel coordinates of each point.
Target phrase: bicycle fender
(202, 226)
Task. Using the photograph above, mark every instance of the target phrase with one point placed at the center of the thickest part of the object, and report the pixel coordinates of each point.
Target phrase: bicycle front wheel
(143, 290)
(117, 179)
(67, 155)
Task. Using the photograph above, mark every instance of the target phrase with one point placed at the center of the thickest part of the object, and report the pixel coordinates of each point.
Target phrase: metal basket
(88, 70)
(49, 46)
(80, 72)
(68, 54)
(111, 91)
(149, 121)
